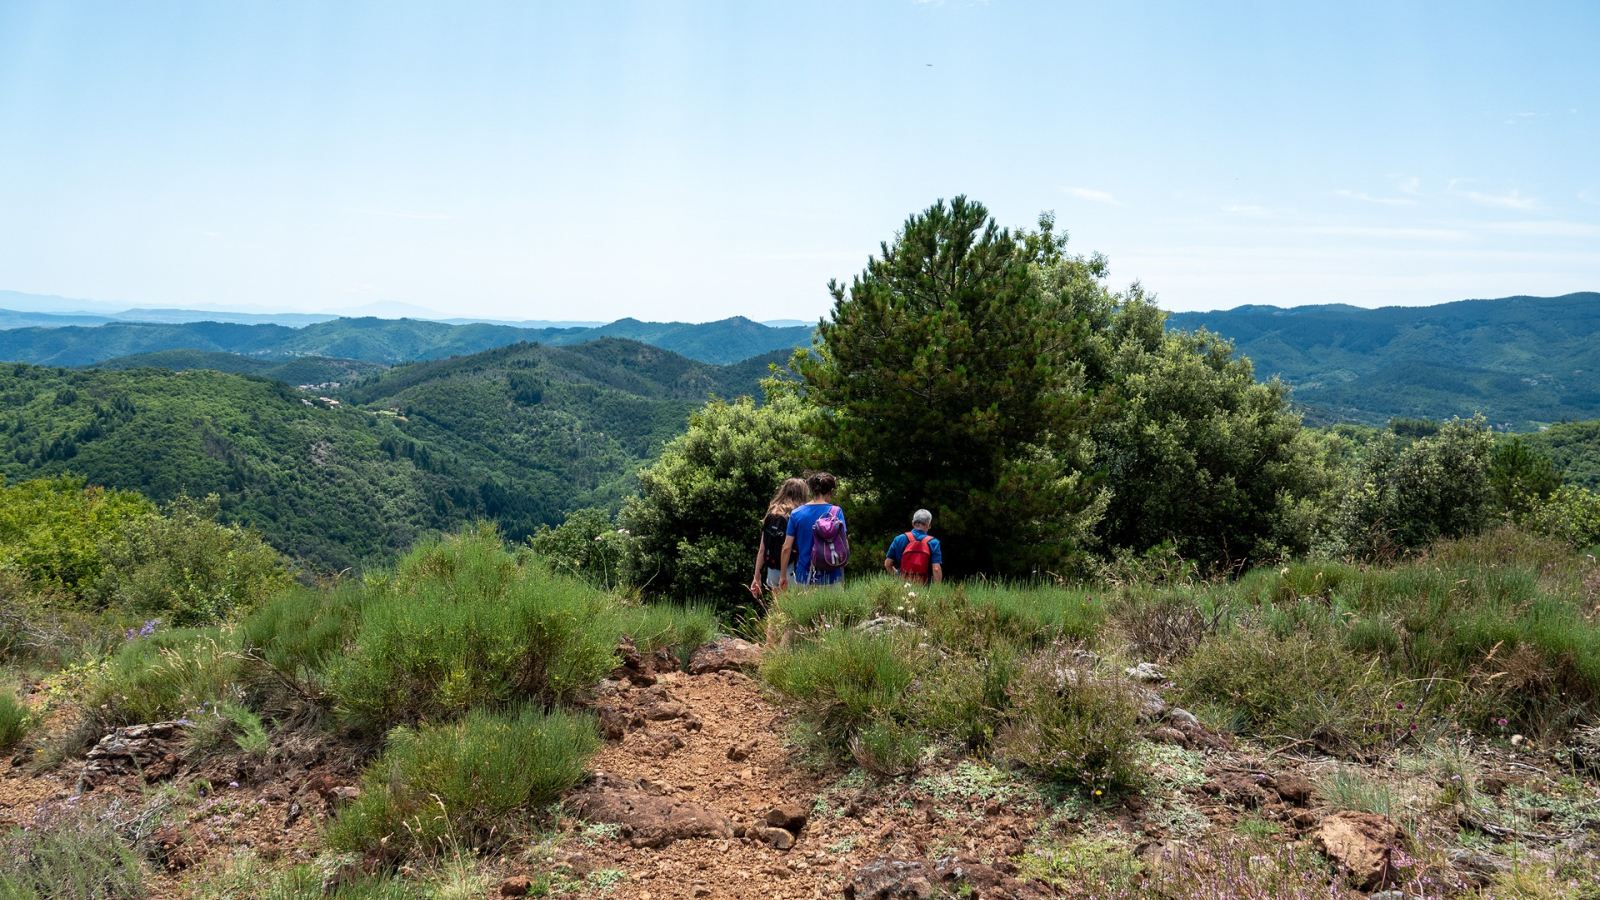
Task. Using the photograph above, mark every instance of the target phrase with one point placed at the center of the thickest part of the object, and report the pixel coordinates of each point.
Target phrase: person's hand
(783, 581)
(755, 588)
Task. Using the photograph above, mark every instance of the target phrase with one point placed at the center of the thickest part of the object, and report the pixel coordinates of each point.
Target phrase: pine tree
(946, 381)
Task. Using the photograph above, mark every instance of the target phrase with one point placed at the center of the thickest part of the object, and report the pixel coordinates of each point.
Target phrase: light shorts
(772, 577)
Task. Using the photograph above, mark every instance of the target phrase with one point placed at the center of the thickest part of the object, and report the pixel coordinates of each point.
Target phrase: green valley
(521, 435)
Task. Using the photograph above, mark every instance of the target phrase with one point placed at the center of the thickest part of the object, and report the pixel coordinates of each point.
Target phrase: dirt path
(687, 759)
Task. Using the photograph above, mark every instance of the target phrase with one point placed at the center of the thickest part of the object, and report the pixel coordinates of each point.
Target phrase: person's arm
(755, 582)
(938, 573)
(783, 570)
(936, 558)
(891, 560)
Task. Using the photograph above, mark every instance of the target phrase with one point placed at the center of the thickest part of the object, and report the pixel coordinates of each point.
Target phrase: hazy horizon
(694, 161)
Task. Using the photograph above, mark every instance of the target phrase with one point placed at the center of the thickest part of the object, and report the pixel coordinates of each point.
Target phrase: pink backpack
(830, 549)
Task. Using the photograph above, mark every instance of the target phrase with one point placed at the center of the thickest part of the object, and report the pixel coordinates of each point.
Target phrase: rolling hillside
(383, 341)
(520, 435)
(1521, 361)
(306, 370)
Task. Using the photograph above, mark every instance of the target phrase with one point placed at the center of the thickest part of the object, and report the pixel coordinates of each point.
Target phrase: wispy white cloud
(1512, 200)
(1412, 185)
(1368, 198)
(1589, 195)
(1092, 195)
(1544, 228)
(1252, 210)
(1372, 231)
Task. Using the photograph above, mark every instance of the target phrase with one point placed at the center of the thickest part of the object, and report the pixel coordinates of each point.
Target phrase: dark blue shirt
(800, 522)
(935, 555)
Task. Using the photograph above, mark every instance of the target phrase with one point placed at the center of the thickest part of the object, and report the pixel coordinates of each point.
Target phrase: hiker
(774, 530)
(816, 543)
(914, 555)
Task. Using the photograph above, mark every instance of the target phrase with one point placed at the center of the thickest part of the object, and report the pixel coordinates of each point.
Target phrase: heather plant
(465, 781)
(72, 858)
(1073, 725)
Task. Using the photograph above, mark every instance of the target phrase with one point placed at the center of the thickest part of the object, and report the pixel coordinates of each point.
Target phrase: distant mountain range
(382, 341)
(1523, 362)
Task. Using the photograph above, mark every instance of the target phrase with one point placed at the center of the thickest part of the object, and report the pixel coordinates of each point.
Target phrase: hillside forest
(477, 625)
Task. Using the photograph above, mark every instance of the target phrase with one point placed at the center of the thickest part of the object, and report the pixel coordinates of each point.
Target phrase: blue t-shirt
(898, 546)
(800, 522)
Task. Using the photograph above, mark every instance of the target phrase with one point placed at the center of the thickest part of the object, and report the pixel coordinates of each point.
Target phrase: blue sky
(690, 161)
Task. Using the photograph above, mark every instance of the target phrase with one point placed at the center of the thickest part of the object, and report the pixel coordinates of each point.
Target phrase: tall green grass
(14, 719)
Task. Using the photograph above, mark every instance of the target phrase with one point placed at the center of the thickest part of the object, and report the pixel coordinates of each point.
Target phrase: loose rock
(1360, 843)
(789, 816)
(890, 879)
(645, 820)
(724, 653)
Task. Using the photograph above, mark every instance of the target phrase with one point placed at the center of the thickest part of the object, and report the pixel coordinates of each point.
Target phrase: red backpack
(916, 559)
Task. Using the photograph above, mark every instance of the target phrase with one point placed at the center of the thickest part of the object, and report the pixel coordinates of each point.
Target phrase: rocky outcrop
(887, 878)
(147, 751)
(722, 654)
(1362, 844)
(647, 820)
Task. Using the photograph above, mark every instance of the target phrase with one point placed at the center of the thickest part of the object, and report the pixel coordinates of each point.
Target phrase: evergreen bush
(459, 785)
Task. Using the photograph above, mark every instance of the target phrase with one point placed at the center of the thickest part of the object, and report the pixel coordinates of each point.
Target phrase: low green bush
(164, 676)
(1305, 684)
(1073, 725)
(466, 624)
(463, 782)
(847, 682)
(678, 628)
(14, 720)
(73, 859)
(290, 643)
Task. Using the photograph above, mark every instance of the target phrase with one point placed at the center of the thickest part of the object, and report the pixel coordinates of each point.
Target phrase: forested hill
(1521, 361)
(520, 434)
(385, 341)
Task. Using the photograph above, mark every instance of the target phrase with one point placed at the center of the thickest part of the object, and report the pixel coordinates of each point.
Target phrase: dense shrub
(71, 859)
(185, 568)
(1407, 497)
(1571, 514)
(847, 682)
(14, 720)
(588, 545)
(467, 624)
(293, 639)
(698, 516)
(463, 781)
(52, 530)
(1072, 725)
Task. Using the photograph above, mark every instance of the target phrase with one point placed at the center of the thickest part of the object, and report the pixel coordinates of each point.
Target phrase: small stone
(1182, 718)
(739, 752)
(779, 838)
(1146, 672)
(789, 816)
(1294, 788)
(516, 886)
